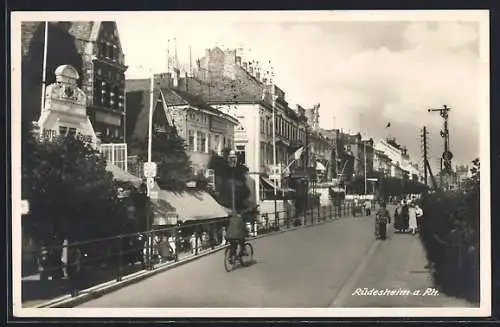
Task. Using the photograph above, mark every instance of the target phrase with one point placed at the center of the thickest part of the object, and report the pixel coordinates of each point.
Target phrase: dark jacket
(236, 228)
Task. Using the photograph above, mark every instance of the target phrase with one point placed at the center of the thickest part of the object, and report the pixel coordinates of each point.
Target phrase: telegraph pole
(445, 134)
(425, 150)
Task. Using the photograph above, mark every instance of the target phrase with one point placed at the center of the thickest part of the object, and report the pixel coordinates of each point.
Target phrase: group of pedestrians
(408, 218)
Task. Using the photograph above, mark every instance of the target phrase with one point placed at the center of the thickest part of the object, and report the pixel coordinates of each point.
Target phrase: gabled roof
(82, 30)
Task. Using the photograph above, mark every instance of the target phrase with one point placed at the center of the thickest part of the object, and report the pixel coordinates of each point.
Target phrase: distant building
(242, 88)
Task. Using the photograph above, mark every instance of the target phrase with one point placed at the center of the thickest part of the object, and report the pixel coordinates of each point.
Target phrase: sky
(363, 72)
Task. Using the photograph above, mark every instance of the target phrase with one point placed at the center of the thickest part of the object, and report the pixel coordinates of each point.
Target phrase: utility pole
(424, 150)
(273, 100)
(445, 134)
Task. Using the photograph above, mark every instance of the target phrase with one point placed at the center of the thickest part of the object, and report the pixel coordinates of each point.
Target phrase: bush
(450, 234)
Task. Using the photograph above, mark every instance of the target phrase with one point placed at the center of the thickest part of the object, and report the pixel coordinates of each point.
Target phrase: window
(63, 130)
(240, 151)
(72, 132)
(190, 140)
(216, 143)
(97, 91)
(202, 142)
(102, 49)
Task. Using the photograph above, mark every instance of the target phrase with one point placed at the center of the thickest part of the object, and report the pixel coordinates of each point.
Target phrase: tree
(224, 177)
(70, 192)
(169, 152)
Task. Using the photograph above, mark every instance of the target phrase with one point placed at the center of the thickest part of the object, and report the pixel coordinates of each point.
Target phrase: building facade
(94, 50)
(205, 130)
(241, 88)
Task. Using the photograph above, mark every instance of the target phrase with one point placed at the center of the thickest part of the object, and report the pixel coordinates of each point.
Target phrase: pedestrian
(405, 217)
(368, 207)
(412, 219)
(382, 218)
(420, 215)
(398, 218)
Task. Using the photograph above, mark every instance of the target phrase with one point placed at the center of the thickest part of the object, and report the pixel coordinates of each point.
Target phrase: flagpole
(44, 69)
(274, 142)
(150, 126)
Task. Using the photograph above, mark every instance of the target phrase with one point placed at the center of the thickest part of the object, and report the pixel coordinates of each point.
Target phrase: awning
(164, 213)
(192, 205)
(122, 175)
(320, 166)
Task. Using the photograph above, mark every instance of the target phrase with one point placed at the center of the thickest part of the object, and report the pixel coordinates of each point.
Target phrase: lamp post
(232, 160)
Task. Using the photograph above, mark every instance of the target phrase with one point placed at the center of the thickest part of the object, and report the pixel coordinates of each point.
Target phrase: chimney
(245, 65)
(186, 84)
(176, 77)
(238, 60)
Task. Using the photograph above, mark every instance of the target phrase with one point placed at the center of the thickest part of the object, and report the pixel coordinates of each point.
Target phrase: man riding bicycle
(236, 233)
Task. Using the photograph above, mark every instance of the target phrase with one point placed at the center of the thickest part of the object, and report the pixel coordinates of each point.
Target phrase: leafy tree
(169, 152)
(224, 179)
(70, 192)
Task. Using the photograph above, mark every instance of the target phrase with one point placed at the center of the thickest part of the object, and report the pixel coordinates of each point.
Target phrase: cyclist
(236, 233)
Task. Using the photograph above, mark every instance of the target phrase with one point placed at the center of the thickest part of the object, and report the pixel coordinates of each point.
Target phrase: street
(302, 268)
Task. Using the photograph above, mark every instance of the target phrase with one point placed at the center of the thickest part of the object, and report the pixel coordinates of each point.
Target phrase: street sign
(447, 155)
(372, 179)
(153, 195)
(25, 207)
(150, 182)
(150, 169)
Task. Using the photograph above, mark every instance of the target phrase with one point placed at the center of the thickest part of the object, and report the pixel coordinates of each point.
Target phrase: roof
(83, 30)
(137, 97)
(191, 205)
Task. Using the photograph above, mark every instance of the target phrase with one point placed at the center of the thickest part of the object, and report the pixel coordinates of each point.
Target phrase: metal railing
(97, 261)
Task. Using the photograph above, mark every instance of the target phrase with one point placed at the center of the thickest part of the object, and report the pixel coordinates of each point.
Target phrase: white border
(481, 16)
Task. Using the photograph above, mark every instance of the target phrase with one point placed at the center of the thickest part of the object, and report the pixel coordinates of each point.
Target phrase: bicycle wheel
(246, 259)
(228, 263)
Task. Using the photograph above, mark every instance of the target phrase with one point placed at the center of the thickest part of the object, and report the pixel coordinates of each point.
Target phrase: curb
(67, 301)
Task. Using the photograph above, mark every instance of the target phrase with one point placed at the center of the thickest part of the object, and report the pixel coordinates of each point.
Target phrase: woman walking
(398, 218)
(412, 222)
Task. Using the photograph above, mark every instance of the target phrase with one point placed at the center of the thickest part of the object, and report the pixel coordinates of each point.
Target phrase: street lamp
(232, 160)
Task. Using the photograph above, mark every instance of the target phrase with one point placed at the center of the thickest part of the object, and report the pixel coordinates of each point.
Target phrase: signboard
(25, 207)
(150, 182)
(150, 169)
(372, 179)
(153, 195)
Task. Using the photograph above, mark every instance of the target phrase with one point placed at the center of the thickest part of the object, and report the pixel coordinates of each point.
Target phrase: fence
(97, 261)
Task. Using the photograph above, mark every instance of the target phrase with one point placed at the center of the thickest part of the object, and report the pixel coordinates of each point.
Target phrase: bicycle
(235, 260)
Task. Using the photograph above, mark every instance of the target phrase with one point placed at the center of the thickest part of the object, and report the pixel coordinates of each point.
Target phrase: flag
(388, 125)
(298, 153)
(263, 94)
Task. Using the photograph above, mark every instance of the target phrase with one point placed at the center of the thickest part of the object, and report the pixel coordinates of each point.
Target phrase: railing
(93, 262)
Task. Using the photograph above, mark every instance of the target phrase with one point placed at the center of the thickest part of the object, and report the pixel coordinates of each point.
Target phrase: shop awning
(192, 205)
(122, 175)
(164, 213)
